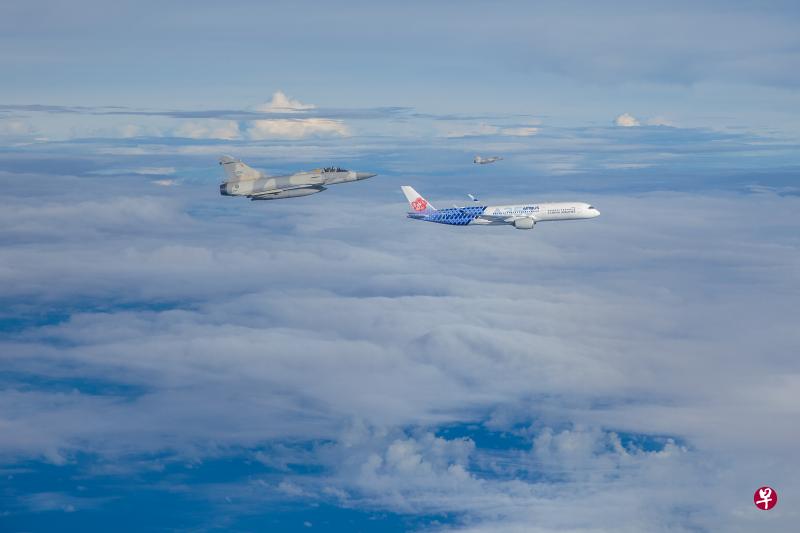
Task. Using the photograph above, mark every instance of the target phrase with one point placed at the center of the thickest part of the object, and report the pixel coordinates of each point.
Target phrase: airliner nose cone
(364, 175)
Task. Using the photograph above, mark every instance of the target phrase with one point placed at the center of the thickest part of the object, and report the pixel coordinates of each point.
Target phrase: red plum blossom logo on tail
(419, 204)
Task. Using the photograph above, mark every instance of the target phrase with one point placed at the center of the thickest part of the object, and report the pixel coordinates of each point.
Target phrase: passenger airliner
(523, 216)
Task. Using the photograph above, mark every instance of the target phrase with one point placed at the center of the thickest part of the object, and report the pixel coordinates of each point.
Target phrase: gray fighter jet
(241, 180)
(485, 160)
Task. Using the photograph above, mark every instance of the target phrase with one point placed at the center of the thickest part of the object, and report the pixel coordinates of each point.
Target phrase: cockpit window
(334, 169)
(591, 207)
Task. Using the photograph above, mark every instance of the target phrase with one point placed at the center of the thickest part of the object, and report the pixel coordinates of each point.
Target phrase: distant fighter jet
(242, 180)
(486, 160)
(523, 216)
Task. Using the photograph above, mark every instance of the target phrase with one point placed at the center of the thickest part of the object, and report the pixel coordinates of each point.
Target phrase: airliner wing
(509, 219)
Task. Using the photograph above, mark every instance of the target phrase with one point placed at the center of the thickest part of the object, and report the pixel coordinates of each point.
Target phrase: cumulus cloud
(467, 131)
(209, 129)
(594, 379)
(521, 131)
(659, 121)
(296, 128)
(291, 128)
(489, 129)
(155, 171)
(129, 130)
(56, 501)
(626, 120)
(16, 128)
(574, 468)
(281, 103)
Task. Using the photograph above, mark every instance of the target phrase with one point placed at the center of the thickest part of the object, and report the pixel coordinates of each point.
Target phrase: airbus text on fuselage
(241, 180)
(522, 216)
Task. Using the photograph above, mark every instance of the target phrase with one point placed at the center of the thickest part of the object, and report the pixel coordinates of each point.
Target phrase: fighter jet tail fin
(235, 170)
(416, 201)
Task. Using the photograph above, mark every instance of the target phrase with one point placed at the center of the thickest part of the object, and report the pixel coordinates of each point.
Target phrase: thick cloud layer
(172, 359)
(640, 363)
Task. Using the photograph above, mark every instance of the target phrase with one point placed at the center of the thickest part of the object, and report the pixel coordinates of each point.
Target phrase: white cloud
(155, 171)
(281, 103)
(292, 128)
(521, 131)
(16, 128)
(129, 130)
(56, 501)
(585, 469)
(657, 338)
(296, 128)
(627, 166)
(291, 489)
(626, 120)
(209, 129)
(489, 129)
(659, 121)
(470, 130)
(165, 183)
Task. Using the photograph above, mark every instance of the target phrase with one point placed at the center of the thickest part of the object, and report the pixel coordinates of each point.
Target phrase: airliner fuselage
(521, 216)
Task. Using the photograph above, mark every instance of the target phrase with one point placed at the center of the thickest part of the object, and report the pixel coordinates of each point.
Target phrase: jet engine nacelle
(289, 194)
(524, 223)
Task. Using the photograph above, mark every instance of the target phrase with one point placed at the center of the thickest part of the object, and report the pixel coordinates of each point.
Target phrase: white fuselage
(521, 216)
(538, 212)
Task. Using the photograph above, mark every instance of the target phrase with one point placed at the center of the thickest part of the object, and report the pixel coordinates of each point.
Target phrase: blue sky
(173, 360)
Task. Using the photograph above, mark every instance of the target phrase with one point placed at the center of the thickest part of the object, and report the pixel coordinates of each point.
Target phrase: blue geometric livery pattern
(456, 216)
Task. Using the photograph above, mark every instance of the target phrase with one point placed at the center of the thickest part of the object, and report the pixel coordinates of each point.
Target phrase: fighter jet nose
(364, 175)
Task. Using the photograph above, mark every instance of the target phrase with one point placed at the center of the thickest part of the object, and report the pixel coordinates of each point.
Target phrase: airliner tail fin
(416, 201)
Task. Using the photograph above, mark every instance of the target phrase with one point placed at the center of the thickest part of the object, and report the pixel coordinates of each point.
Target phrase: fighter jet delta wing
(287, 192)
(486, 160)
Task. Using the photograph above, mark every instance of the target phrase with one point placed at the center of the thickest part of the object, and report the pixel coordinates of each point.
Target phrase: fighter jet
(486, 160)
(523, 216)
(241, 180)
